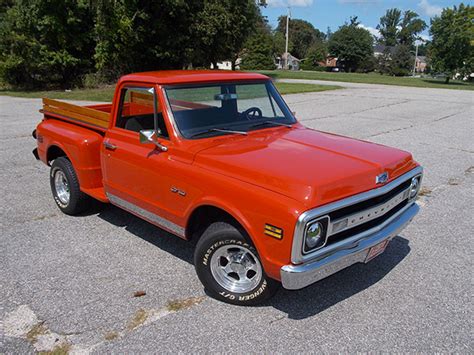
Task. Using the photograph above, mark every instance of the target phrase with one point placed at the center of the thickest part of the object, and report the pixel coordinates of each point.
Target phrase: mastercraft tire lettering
(229, 267)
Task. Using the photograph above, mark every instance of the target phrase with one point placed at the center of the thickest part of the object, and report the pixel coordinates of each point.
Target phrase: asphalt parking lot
(68, 282)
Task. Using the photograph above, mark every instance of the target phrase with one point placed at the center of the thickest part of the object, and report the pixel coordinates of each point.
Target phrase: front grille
(361, 206)
(367, 205)
(365, 226)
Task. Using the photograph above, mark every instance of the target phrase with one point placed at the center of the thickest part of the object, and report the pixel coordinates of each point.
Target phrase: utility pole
(286, 43)
(416, 57)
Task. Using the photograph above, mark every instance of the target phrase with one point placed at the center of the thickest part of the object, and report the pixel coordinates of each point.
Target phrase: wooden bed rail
(77, 113)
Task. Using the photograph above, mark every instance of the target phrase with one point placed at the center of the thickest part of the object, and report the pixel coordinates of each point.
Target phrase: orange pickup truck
(219, 158)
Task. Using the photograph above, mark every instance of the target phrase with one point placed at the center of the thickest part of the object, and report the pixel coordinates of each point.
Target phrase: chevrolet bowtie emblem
(382, 178)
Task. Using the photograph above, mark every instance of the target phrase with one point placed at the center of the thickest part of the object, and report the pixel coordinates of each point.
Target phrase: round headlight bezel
(414, 187)
(319, 237)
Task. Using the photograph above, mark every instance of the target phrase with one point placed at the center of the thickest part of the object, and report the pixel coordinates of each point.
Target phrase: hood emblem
(382, 178)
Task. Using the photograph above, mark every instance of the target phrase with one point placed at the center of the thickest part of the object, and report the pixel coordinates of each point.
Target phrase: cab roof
(167, 77)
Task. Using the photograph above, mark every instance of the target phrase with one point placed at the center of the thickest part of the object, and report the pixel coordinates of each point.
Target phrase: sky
(333, 13)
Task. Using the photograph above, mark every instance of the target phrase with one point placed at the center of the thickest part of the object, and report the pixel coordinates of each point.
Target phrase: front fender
(254, 207)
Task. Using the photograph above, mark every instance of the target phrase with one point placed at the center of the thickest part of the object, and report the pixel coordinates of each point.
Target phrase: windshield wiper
(271, 122)
(224, 130)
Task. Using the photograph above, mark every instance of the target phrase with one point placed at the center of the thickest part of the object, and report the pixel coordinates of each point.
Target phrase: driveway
(69, 282)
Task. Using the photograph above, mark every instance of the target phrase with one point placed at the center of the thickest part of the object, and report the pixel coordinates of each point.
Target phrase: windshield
(216, 109)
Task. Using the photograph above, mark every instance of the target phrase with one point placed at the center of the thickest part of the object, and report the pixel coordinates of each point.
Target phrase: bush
(94, 80)
(368, 65)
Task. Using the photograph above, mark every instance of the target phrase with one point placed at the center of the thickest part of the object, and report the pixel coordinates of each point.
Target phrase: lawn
(371, 78)
(105, 94)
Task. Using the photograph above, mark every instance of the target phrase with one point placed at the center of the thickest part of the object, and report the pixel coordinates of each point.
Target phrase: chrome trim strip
(297, 255)
(147, 215)
(294, 277)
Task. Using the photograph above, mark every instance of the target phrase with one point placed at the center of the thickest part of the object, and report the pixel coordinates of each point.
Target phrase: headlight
(414, 187)
(315, 235)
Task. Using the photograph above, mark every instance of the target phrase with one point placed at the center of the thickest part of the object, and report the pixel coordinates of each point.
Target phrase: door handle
(109, 146)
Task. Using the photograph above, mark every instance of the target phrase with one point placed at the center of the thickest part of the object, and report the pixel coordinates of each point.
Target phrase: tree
(46, 42)
(401, 61)
(384, 61)
(279, 43)
(410, 27)
(315, 55)
(388, 27)
(302, 35)
(351, 44)
(260, 48)
(139, 35)
(259, 52)
(328, 33)
(397, 29)
(222, 27)
(451, 48)
(57, 42)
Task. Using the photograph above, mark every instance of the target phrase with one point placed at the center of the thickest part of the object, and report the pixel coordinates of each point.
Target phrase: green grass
(102, 94)
(371, 78)
(291, 88)
(106, 94)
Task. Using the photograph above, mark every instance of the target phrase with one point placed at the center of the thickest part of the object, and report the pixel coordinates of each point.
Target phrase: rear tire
(65, 187)
(229, 267)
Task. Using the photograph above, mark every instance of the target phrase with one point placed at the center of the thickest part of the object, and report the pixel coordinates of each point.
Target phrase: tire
(229, 267)
(65, 188)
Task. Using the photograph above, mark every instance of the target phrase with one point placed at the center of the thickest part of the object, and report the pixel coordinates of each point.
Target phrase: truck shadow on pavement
(326, 293)
(299, 304)
(152, 234)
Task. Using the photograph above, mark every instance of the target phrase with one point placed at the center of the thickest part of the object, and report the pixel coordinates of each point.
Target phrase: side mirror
(149, 136)
(146, 136)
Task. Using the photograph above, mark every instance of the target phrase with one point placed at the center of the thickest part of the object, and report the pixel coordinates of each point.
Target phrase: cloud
(373, 31)
(428, 9)
(286, 3)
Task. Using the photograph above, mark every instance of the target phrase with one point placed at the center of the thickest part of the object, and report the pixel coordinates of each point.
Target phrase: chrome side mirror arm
(149, 136)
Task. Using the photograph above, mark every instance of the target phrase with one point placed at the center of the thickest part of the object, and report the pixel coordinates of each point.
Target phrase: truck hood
(308, 166)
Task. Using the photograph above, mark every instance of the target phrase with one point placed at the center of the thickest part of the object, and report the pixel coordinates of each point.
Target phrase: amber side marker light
(273, 231)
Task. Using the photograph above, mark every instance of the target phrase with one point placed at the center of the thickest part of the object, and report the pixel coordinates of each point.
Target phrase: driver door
(135, 176)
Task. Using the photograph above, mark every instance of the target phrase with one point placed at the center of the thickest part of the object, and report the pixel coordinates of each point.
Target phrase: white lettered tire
(229, 267)
(65, 188)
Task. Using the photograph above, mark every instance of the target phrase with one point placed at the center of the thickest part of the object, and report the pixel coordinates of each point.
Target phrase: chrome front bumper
(344, 253)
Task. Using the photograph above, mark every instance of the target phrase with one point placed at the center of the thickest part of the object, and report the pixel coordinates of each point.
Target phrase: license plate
(376, 250)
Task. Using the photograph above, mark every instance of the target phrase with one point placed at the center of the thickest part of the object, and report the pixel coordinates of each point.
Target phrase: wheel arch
(205, 214)
(54, 151)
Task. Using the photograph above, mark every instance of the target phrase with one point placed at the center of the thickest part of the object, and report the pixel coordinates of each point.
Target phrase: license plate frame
(376, 250)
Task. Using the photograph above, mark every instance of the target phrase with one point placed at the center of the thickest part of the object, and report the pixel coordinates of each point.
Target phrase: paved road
(69, 282)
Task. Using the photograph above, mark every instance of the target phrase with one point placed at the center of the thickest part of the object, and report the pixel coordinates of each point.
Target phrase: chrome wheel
(61, 186)
(236, 268)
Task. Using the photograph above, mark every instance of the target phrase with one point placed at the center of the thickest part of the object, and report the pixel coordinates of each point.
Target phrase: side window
(136, 111)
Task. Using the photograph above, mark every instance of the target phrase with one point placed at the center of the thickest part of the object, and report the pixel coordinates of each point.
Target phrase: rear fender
(81, 146)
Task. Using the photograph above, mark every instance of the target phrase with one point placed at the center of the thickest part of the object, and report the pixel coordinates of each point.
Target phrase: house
(329, 62)
(227, 64)
(293, 62)
(420, 64)
(380, 49)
